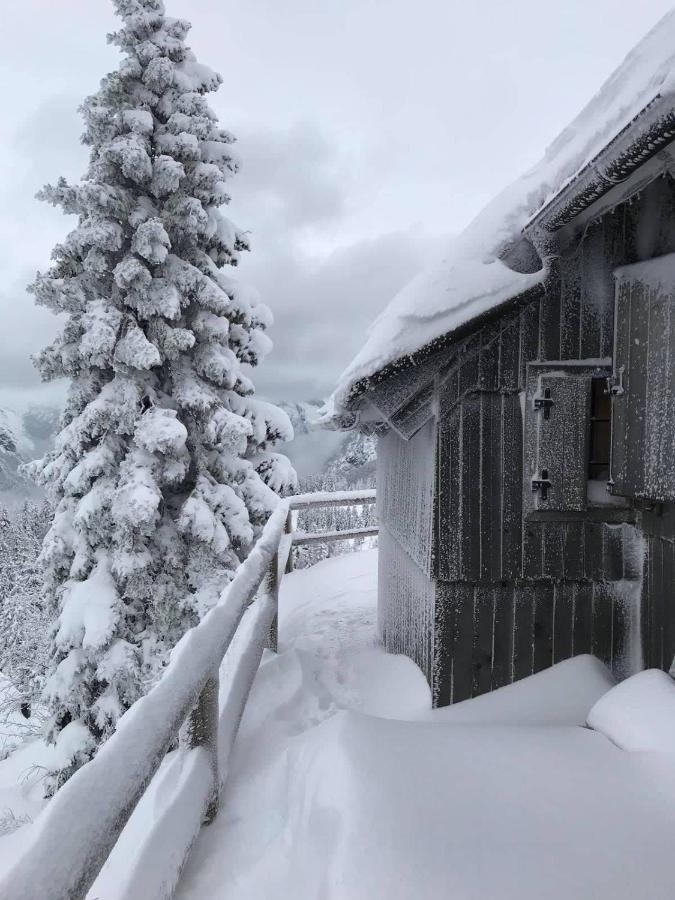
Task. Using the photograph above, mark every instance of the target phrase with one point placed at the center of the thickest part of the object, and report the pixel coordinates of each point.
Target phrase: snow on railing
(72, 839)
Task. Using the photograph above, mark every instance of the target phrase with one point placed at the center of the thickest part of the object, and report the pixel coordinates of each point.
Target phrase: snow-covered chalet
(523, 392)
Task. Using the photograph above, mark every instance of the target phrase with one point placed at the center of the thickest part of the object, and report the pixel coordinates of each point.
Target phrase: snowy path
(345, 785)
(331, 799)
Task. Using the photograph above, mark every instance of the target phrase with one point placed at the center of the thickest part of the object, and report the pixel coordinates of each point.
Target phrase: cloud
(290, 179)
(323, 308)
(26, 329)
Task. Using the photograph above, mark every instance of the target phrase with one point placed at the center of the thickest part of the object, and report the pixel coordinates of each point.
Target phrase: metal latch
(615, 383)
(545, 403)
(542, 484)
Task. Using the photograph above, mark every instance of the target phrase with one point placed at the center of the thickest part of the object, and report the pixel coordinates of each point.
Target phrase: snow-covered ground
(345, 785)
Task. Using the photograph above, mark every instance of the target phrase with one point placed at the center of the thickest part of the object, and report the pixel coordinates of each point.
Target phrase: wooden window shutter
(643, 388)
(558, 424)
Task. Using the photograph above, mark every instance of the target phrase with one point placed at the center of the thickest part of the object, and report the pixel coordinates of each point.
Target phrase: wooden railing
(75, 834)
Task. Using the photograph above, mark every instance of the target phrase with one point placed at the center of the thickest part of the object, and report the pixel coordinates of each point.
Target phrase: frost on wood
(165, 469)
(405, 492)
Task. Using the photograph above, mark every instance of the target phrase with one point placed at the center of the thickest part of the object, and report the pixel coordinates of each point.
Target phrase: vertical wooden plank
(612, 543)
(582, 639)
(509, 357)
(512, 487)
(621, 628)
(449, 497)
(543, 627)
(594, 285)
(532, 550)
(483, 631)
(490, 511)
(646, 610)
(523, 630)
(602, 622)
(488, 366)
(656, 602)
(495, 488)
(502, 663)
(462, 648)
(529, 339)
(445, 614)
(570, 309)
(549, 317)
(469, 519)
(637, 400)
(613, 254)
(658, 440)
(668, 602)
(667, 445)
(552, 549)
(573, 550)
(468, 372)
(593, 551)
(563, 621)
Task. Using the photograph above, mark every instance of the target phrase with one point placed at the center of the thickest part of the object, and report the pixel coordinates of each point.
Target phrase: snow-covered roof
(472, 279)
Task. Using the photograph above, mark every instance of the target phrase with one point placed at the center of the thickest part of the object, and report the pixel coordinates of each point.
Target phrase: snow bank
(561, 695)
(471, 279)
(639, 713)
(379, 808)
(345, 784)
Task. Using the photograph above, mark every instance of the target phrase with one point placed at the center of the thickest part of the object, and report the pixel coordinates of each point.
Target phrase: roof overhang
(642, 151)
(638, 154)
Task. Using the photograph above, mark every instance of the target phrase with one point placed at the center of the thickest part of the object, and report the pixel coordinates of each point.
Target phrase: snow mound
(472, 279)
(381, 808)
(639, 713)
(561, 695)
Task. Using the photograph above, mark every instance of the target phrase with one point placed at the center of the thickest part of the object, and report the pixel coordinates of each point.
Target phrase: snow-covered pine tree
(23, 641)
(164, 470)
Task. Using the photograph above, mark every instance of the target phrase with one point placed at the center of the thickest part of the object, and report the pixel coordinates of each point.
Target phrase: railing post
(201, 730)
(272, 589)
(288, 529)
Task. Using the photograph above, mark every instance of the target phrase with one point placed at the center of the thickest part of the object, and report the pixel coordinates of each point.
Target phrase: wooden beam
(303, 537)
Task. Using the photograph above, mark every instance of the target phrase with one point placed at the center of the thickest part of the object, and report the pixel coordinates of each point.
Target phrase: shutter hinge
(545, 403)
(615, 383)
(542, 484)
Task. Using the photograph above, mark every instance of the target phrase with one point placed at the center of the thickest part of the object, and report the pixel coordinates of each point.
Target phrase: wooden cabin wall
(405, 492)
(658, 621)
(515, 593)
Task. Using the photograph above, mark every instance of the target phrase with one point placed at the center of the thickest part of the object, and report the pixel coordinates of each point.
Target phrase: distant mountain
(354, 462)
(331, 457)
(24, 436)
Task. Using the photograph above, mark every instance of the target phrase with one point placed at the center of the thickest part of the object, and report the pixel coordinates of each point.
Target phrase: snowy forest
(337, 499)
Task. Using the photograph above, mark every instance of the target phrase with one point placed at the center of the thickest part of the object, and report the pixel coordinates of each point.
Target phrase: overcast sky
(369, 130)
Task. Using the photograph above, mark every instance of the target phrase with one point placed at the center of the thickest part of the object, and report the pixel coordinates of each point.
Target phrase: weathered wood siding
(405, 492)
(643, 460)
(658, 609)
(518, 588)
